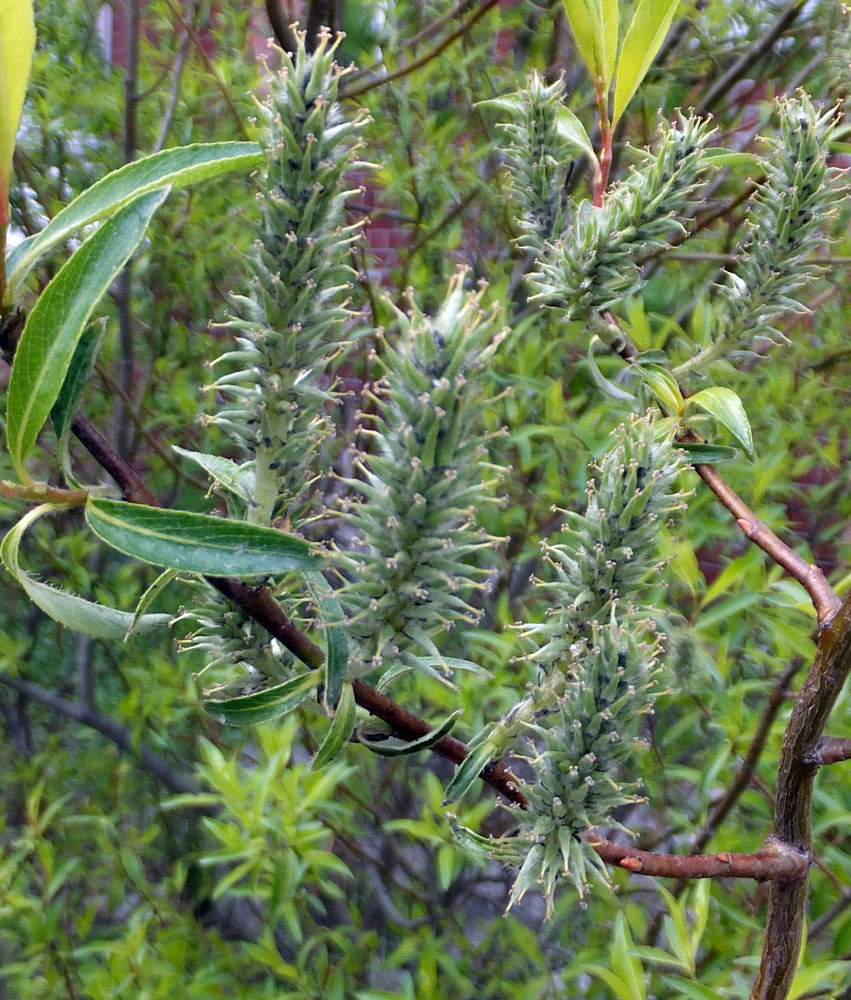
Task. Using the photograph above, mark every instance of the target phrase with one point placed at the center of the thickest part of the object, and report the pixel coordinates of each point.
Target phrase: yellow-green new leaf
(642, 41)
(594, 24)
(728, 410)
(17, 43)
(340, 732)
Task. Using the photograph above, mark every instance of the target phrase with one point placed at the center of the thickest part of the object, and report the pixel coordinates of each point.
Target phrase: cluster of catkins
(596, 658)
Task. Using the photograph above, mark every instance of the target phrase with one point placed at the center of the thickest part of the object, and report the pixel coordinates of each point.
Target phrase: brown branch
(432, 53)
(776, 861)
(281, 29)
(746, 769)
(809, 575)
(102, 451)
(793, 804)
(829, 750)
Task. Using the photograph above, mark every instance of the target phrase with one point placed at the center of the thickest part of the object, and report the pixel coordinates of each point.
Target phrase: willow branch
(830, 750)
(811, 578)
(775, 862)
(793, 805)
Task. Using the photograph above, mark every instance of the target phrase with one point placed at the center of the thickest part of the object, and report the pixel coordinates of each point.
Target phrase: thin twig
(811, 578)
(416, 64)
(830, 750)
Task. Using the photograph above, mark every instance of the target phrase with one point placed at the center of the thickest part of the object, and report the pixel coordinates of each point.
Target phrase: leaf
(399, 749)
(17, 44)
(664, 387)
(702, 454)
(196, 543)
(624, 964)
(59, 317)
(594, 24)
(687, 988)
(270, 703)
(468, 771)
(642, 41)
(342, 727)
(603, 384)
(79, 371)
(727, 408)
(69, 610)
(336, 639)
(145, 601)
(175, 167)
(571, 129)
(236, 479)
(717, 156)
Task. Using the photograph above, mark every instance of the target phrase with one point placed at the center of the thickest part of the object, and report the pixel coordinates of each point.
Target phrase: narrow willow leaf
(17, 43)
(664, 387)
(700, 454)
(624, 963)
(59, 317)
(145, 601)
(340, 732)
(571, 129)
(642, 41)
(79, 372)
(336, 639)
(718, 156)
(398, 749)
(592, 29)
(603, 384)
(175, 167)
(468, 771)
(69, 610)
(270, 703)
(236, 479)
(727, 408)
(196, 543)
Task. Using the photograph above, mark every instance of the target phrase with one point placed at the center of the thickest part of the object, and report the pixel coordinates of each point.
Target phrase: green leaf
(59, 318)
(17, 43)
(175, 167)
(336, 639)
(147, 599)
(606, 386)
(717, 156)
(196, 543)
(687, 988)
(468, 771)
(239, 480)
(79, 371)
(624, 964)
(342, 727)
(727, 408)
(571, 129)
(69, 610)
(642, 41)
(594, 24)
(399, 749)
(664, 387)
(270, 703)
(701, 454)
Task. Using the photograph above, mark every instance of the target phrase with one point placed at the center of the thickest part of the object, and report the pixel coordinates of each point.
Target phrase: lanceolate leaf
(571, 129)
(68, 609)
(270, 703)
(236, 479)
(81, 367)
(594, 24)
(727, 409)
(468, 771)
(336, 639)
(197, 543)
(17, 42)
(642, 41)
(60, 315)
(342, 727)
(175, 167)
(394, 748)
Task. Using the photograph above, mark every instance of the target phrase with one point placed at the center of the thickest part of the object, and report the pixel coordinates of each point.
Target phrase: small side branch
(775, 862)
(829, 750)
(811, 578)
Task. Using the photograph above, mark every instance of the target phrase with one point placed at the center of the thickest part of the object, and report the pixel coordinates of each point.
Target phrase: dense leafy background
(280, 882)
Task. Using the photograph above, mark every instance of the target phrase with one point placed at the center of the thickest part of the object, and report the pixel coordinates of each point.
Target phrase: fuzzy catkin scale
(593, 265)
(426, 472)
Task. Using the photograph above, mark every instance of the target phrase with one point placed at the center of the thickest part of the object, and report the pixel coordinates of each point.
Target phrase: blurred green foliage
(275, 881)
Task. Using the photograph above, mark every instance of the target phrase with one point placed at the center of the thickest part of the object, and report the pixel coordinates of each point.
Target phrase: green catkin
(413, 571)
